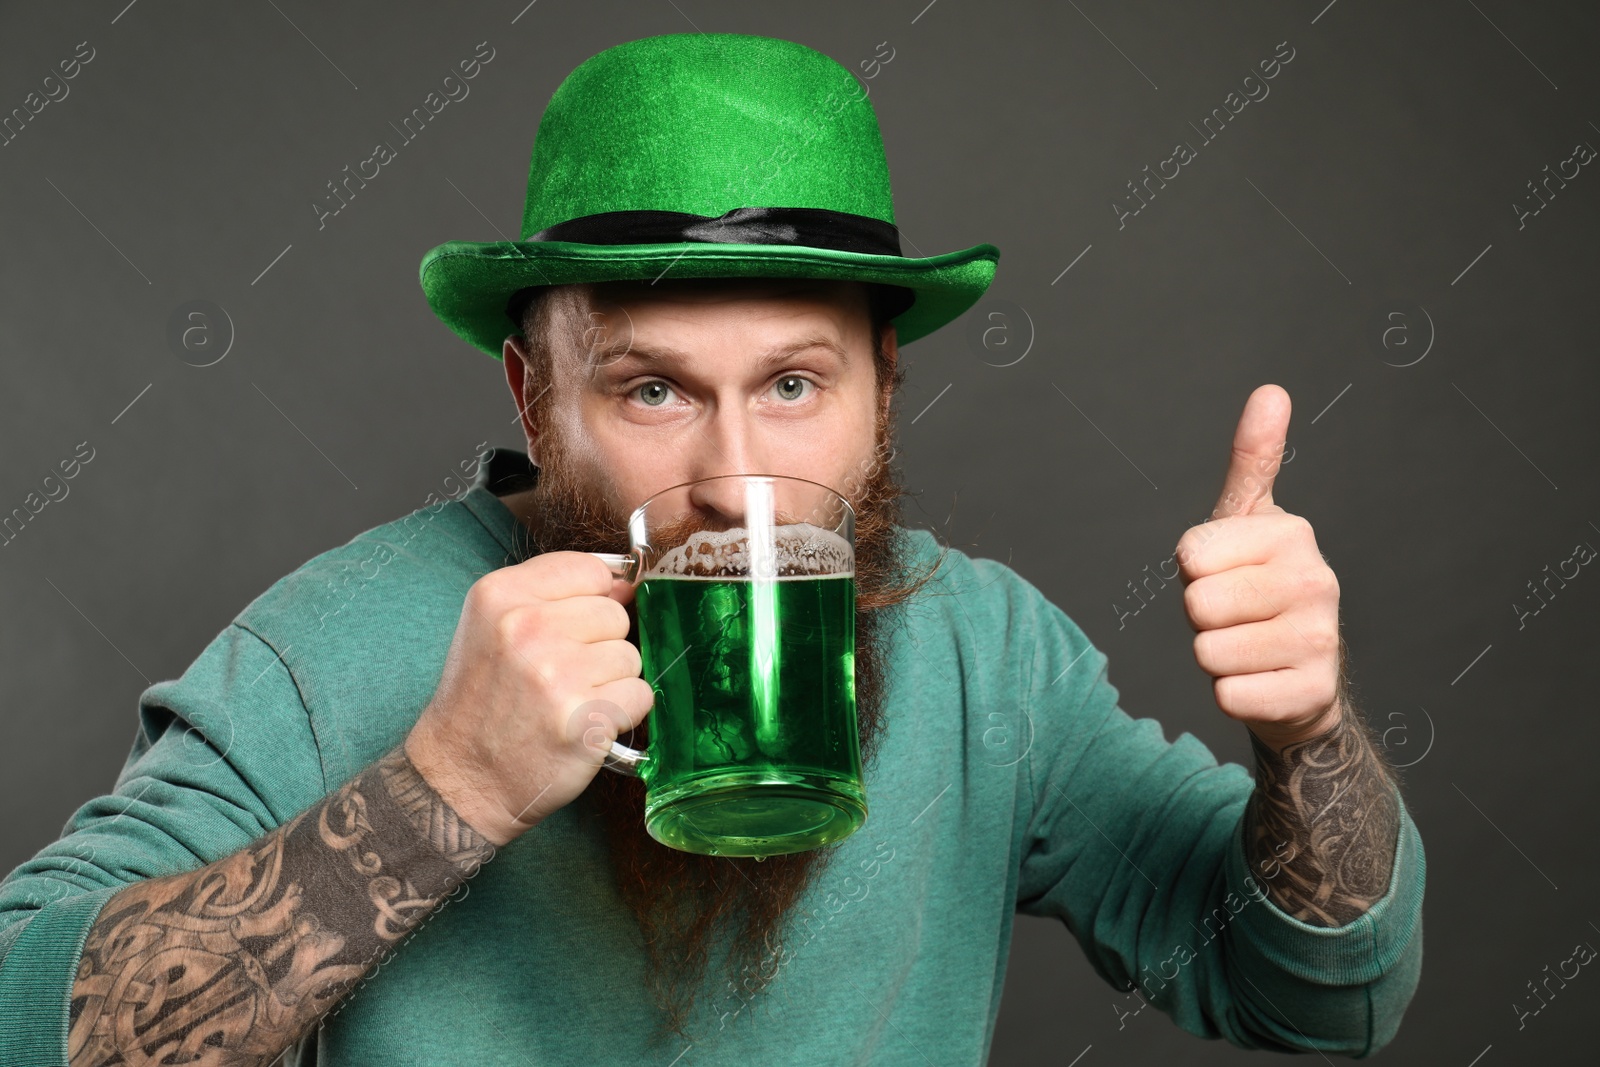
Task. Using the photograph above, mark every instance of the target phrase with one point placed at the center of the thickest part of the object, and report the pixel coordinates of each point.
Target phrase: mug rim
(638, 512)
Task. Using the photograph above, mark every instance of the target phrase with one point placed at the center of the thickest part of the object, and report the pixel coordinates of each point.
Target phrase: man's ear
(514, 354)
(891, 360)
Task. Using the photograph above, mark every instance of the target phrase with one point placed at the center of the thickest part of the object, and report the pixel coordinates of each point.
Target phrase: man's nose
(726, 445)
(720, 502)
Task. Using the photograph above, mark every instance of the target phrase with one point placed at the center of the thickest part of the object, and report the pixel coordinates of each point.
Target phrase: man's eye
(653, 393)
(656, 393)
(792, 387)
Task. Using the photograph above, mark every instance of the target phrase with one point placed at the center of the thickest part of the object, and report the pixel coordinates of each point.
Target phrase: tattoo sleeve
(1322, 824)
(234, 962)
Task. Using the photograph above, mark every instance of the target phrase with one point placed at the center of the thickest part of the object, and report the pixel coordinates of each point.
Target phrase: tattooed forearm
(1322, 823)
(234, 962)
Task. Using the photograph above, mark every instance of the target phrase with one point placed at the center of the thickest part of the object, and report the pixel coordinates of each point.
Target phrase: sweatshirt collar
(505, 471)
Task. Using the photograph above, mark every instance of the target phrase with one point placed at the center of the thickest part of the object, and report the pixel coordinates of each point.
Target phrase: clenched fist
(539, 680)
(1263, 602)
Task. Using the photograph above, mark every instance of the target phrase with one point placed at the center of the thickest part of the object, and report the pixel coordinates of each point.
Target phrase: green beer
(753, 738)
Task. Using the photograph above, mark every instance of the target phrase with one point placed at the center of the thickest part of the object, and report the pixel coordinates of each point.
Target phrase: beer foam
(802, 549)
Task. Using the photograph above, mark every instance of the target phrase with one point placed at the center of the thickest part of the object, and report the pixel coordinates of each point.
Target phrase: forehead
(573, 311)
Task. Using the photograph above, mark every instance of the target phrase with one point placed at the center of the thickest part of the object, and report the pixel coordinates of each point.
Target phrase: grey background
(1378, 176)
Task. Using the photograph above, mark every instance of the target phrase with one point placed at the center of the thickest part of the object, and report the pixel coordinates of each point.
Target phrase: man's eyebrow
(665, 355)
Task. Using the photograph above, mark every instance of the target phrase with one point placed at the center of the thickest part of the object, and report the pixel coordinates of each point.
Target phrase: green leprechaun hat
(703, 155)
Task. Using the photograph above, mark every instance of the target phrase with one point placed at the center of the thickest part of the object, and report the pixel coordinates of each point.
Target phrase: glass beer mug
(745, 597)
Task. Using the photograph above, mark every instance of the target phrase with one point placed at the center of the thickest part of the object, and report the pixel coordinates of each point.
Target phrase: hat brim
(467, 283)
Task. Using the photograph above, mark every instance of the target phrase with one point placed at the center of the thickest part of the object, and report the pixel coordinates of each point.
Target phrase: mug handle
(629, 566)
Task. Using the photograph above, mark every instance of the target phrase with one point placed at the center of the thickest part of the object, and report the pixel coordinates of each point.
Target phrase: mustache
(572, 518)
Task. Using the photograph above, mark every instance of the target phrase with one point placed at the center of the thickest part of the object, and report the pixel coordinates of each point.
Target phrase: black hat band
(807, 226)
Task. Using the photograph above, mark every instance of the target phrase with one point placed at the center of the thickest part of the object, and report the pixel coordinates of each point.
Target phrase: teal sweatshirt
(1008, 780)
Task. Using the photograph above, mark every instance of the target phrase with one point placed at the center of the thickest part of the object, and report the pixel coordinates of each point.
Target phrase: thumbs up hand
(1263, 602)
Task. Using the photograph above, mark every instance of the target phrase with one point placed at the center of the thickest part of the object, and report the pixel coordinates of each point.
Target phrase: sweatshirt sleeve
(1135, 843)
(222, 755)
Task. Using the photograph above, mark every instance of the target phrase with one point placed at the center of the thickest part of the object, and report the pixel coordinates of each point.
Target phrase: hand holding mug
(539, 679)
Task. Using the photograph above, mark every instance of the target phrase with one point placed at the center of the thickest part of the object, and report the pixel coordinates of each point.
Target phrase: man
(408, 761)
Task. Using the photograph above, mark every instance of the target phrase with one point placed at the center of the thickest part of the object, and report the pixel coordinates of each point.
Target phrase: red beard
(679, 899)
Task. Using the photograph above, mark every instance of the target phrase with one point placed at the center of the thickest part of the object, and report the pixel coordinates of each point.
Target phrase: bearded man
(590, 466)
(396, 753)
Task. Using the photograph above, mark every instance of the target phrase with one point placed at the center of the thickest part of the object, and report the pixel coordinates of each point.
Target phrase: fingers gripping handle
(629, 567)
